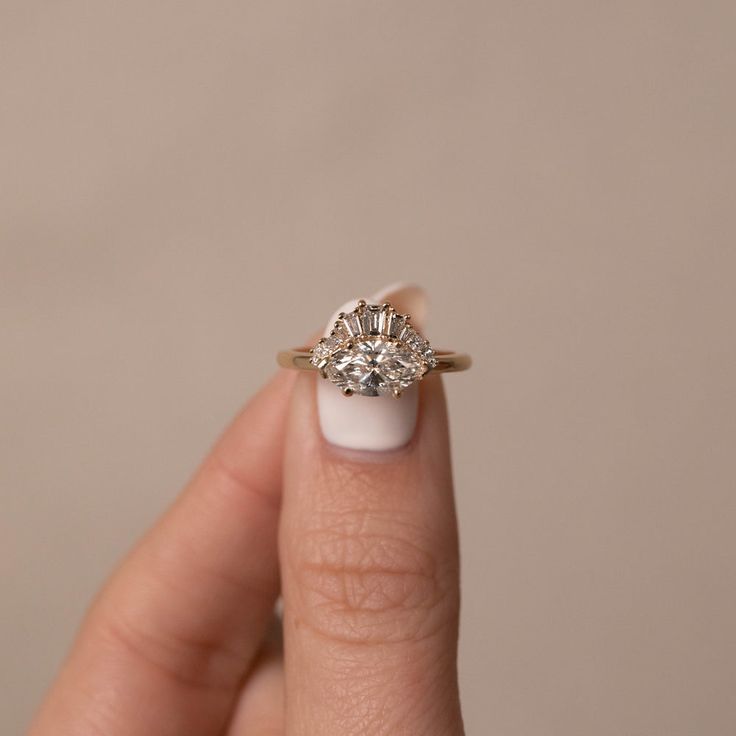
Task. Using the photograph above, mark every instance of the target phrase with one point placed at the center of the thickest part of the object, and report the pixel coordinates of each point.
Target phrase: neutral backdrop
(187, 187)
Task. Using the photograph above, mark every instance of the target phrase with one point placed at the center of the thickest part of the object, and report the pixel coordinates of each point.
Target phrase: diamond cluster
(372, 351)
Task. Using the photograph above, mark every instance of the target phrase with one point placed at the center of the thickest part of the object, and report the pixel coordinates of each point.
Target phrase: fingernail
(373, 422)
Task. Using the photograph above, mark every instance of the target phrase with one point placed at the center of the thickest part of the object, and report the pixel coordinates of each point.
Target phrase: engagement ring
(373, 351)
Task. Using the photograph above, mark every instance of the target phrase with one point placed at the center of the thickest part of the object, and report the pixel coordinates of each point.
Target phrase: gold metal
(447, 361)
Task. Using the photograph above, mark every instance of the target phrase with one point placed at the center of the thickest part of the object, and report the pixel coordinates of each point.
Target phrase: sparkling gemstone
(327, 345)
(395, 325)
(319, 352)
(352, 322)
(372, 320)
(412, 338)
(417, 343)
(374, 366)
(340, 333)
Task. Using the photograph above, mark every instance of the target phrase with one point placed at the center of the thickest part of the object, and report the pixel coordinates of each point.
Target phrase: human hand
(361, 545)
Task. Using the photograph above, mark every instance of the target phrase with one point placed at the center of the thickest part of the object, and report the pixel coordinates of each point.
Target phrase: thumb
(369, 558)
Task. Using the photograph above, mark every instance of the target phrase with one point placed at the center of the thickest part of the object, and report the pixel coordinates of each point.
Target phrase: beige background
(186, 187)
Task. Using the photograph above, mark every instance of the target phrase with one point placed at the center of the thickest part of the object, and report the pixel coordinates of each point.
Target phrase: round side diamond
(328, 345)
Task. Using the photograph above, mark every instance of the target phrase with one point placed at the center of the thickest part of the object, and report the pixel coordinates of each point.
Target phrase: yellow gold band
(447, 361)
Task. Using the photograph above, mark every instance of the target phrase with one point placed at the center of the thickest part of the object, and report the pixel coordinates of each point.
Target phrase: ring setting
(373, 351)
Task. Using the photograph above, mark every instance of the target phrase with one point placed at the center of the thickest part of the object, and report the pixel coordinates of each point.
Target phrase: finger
(260, 710)
(165, 647)
(369, 554)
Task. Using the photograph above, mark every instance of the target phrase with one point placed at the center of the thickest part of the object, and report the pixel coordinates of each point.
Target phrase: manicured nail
(373, 422)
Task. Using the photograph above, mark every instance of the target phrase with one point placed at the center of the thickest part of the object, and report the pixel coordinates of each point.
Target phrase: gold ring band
(301, 359)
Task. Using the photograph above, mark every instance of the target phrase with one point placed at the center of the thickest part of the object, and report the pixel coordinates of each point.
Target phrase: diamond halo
(373, 351)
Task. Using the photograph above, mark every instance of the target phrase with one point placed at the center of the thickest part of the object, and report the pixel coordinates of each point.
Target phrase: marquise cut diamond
(374, 366)
(373, 351)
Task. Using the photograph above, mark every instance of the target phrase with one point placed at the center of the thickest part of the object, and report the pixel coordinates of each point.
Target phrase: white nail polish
(372, 422)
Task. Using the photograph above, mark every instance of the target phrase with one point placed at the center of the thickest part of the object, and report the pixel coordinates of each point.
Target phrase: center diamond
(374, 366)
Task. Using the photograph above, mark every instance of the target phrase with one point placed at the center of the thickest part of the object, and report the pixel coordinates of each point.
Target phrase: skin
(362, 547)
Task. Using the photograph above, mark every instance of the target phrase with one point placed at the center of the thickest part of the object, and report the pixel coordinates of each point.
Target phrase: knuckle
(366, 577)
